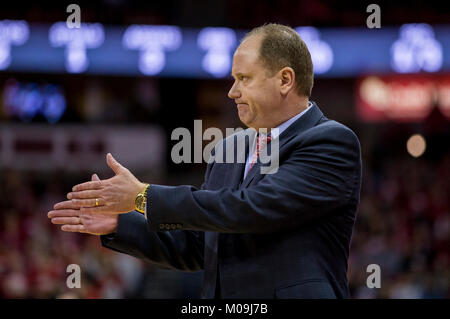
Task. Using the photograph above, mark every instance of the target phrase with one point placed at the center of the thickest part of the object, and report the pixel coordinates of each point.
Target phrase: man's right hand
(73, 220)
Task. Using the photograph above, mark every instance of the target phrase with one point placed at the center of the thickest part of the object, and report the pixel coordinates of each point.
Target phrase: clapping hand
(73, 219)
(112, 196)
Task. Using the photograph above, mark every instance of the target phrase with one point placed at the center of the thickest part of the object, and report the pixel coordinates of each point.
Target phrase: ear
(287, 80)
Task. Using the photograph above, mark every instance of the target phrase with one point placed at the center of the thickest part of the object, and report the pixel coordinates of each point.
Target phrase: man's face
(255, 92)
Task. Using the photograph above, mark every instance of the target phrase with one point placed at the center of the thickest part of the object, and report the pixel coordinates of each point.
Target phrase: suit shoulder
(330, 131)
(332, 128)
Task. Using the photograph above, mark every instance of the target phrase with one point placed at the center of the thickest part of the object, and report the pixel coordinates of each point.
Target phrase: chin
(246, 118)
(243, 122)
(243, 118)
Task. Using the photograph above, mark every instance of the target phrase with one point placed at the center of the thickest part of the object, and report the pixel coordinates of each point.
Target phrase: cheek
(265, 99)
(254, 105)
(261, 98)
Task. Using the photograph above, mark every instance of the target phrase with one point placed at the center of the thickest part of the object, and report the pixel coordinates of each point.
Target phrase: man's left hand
(114, 196)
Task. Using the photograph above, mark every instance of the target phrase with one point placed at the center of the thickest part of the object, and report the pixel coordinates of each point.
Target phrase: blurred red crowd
(402, 226)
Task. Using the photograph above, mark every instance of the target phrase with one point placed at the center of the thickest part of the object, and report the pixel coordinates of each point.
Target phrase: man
(279, 235)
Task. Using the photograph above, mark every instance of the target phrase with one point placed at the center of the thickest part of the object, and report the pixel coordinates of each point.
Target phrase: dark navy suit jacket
(281, 235)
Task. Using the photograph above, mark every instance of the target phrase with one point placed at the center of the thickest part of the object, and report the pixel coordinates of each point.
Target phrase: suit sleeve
(179, 250)
(317, 178)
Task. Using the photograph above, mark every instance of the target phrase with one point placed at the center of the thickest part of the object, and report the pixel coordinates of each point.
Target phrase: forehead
(246, 55)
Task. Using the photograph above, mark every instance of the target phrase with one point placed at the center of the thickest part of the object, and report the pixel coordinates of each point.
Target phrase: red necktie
(261, 142)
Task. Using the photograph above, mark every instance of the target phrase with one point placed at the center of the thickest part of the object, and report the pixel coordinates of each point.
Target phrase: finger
(113, 164)
(73, 228)
(89, 215)
(95, 210)
(91, 202)
(84, 194)
(68, 204)
(66, 220)
(63, 213)
(87, 186)
(95, 177)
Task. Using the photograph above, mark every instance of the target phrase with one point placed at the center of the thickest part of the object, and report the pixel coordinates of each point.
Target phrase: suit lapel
(251, 174)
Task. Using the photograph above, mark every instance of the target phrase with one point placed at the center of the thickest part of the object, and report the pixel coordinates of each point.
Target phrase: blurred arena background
(65, 103)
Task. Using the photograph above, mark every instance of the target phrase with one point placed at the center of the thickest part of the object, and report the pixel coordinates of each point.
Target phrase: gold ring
(96, 202)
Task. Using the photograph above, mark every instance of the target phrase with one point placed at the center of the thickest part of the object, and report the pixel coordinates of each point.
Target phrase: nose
(234, 93)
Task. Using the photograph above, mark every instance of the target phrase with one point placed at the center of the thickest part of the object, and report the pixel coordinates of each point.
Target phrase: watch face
(139, 201)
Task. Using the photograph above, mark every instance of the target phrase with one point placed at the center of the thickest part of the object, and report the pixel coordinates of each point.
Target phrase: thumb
(95, 177)
(113, 164)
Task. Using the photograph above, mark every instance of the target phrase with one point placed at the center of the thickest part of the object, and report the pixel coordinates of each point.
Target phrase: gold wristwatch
(141, 200)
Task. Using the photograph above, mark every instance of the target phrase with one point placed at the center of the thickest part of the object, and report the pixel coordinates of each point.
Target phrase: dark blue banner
(170, 51)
